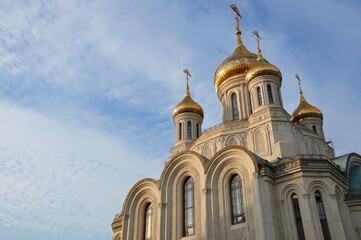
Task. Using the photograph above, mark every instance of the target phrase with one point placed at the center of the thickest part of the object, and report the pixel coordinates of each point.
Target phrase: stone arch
(117, 236)
(144, 191)
(178, 168)
(261, 141)
(320, 186)
(233, 141)
(229, 161)
(289, 189)
(287, 209)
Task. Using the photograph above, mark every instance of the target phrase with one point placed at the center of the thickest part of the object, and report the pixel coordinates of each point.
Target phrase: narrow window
(322, 216)
(238, 215)
(189, 130)
(298, 218)
(189, 207)
(314, 129)
(259, 96)
(197, 129)
(235, 112)
(180, 131)
(148, 222)
(250, 102)
(269, 92)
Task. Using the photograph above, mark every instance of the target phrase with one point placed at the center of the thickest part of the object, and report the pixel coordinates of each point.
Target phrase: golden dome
(238, 63)
(188, 105)
(262, 67)
(305, 110)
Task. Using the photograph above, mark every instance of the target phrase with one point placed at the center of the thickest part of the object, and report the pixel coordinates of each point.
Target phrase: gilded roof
(262, 67)
(188, 105)
(305, 110)
(238, 63)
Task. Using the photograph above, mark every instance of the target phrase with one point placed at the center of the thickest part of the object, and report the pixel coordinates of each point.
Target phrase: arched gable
(142, 193)
(230, 161)
(185, 159)
(178, 169)
(146, 187)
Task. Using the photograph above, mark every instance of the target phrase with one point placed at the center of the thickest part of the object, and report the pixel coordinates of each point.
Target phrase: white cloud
(87, 89)
(61, 178)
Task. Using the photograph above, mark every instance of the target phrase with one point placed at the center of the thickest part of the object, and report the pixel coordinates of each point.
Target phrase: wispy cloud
(87, 89)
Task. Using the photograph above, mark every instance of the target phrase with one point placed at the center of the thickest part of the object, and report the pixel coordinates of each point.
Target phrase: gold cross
(258, 38)
(299, 82)
(188, 74)
(236, 14)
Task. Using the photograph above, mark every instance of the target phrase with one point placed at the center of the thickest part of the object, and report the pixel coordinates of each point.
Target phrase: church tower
(308, 115)
(264, 82)
(229, 80)
(187, 117)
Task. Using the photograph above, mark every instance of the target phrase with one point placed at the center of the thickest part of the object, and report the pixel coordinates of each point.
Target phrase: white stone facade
(292, 186)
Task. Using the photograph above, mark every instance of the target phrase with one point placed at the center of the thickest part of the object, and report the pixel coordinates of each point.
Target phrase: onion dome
(188, 105)
(238, 63)
(262, 67)
(305, 111)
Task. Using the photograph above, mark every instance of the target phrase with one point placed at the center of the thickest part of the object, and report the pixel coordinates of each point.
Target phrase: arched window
(238, 214)
(189, 130)
(298, 217)
(259, 96)
(250, 103)
(180, 131)
(188, 207)
(269, 92)
(235, 113)
(314, 129)
(322, 216)
(197, 129)
(148, 222)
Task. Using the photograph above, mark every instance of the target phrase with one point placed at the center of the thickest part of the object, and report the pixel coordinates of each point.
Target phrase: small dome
(188, 105)
(305, 110)
(262, 67)
(238, 63)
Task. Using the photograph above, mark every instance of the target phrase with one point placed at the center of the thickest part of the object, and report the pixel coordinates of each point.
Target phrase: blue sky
(87, 89)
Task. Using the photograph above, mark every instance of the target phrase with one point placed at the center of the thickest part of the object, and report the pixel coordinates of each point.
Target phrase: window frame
(270, 94)
(236, 195)
(322, 215)
(188, 210)
(148, 222)
(189, 130)
(235, 110)
(297, 216)
(259, 96)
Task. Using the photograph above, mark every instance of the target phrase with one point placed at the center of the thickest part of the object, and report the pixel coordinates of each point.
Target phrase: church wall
(305, 188)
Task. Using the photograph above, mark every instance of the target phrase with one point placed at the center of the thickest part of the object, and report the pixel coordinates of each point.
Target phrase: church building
(260, 174)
